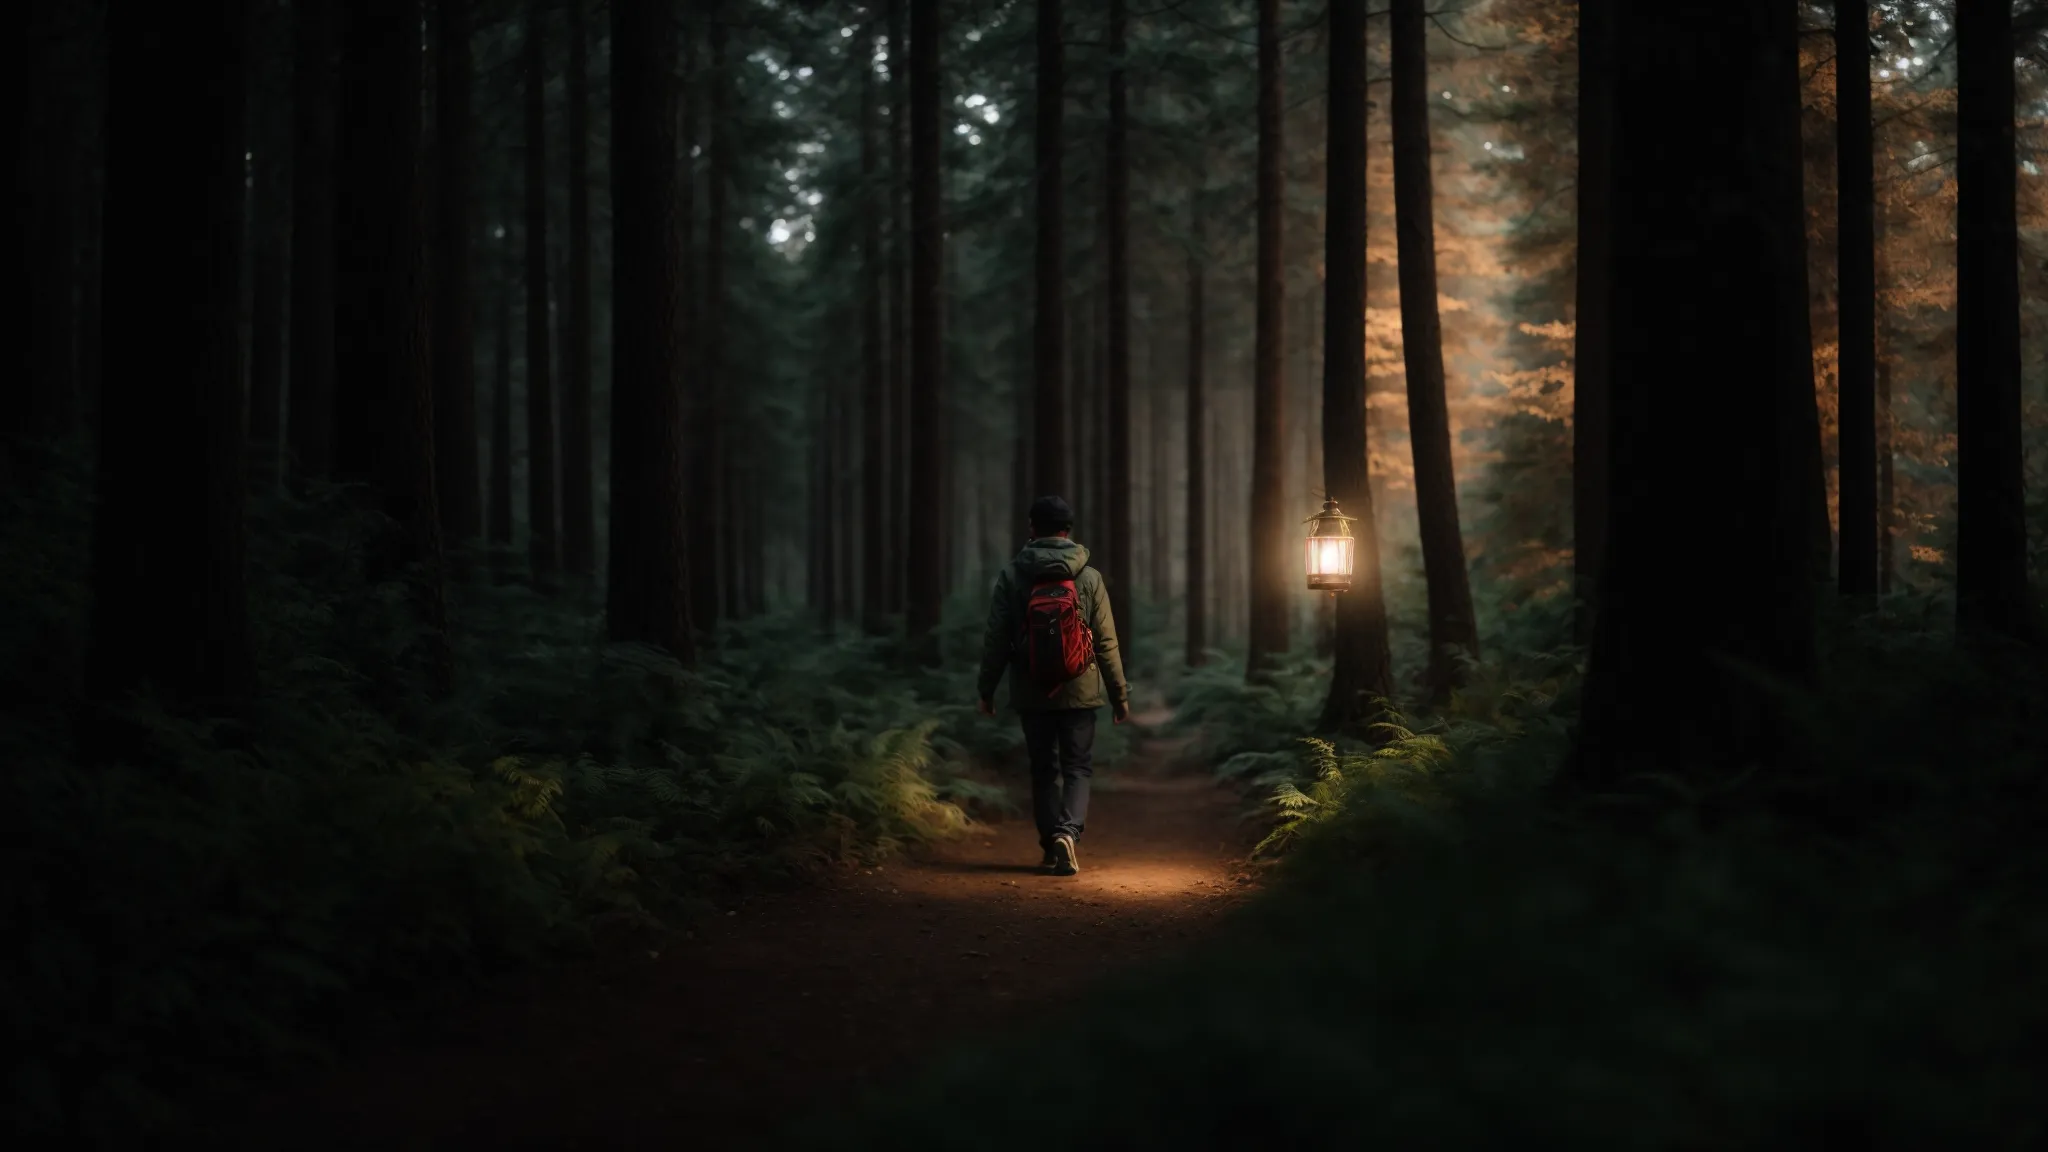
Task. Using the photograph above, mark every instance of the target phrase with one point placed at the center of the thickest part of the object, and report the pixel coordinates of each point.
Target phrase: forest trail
(797, 1000)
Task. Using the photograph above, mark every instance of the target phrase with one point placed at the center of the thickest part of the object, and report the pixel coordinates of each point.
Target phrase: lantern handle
(1330, 512)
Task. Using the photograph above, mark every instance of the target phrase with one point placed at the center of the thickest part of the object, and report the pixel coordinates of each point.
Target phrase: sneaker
(1049, 859)
(1066, 860)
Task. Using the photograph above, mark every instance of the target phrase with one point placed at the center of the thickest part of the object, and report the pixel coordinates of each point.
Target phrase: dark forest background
(487, 473)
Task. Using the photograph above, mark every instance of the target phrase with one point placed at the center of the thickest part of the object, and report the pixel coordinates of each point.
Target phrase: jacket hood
(1052, 558)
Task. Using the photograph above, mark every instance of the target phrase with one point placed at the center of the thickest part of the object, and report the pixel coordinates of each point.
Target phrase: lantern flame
(1330, 550)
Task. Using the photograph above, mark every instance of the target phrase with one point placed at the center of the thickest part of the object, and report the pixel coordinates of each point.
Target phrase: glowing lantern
(1330, 550)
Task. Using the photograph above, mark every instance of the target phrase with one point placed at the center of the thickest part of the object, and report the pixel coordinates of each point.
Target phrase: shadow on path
(967, 866)
(792, 1001)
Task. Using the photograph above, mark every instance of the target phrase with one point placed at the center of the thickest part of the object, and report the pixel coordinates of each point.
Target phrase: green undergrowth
(1842, 952)
(224, 897)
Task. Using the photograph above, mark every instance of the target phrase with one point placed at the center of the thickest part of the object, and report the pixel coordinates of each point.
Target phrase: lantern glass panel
(1330, 555)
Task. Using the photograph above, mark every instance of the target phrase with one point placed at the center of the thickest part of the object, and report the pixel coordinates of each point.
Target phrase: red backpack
(1057, 643)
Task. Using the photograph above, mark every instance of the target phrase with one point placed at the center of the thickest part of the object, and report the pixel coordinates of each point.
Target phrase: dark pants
(1062, 749)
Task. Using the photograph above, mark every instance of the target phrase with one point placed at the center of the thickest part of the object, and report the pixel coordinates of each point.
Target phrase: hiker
(1049, 623)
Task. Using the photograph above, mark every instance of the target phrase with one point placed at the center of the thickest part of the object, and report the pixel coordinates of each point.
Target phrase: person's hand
(985, 706)
(1122, 711)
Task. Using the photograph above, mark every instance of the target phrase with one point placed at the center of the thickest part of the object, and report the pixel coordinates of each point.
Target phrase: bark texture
(924, 580)
(384, 415)
(647, 595)
(1887, 497)
(579, 497)
(1196, 593)
(269, 230)
(1856, 238)
(707, 449)
(455, 441)
(1271, 530)
(1704, 305)
(1123, 568)
(876, 544)
(310, 409)
(1453, 629)
(542, 547)
(499, 530)
(170, 601)
(900, 509)
(1991, 527)
(1592, 376)
(43, 157)
(1363, 669)
(1049, 417)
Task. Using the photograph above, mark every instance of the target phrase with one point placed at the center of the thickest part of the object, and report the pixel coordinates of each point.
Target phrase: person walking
(1050, 627)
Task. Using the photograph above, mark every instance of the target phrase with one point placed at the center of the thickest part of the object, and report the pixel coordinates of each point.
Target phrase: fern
(251, 883)
(1351, 793)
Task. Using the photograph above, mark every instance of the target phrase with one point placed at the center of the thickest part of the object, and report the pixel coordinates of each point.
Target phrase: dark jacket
(1051, 558)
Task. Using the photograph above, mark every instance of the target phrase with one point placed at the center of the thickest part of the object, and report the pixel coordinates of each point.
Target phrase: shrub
(221, 898)
(1844, 950)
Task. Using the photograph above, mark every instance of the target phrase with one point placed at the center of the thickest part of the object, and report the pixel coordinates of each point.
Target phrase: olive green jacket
(1051, 558)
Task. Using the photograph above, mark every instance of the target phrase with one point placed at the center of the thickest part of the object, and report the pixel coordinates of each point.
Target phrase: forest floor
(798, 1000)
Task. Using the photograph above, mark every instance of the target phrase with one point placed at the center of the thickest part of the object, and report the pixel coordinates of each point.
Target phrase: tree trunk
(1858, 291)
(733, 432)
(310, 410)
(1709, 375)
(900, 503)
(1079, 468)
(954, 497)
(688, 102)
(1796, 300)
(1802, 413)
(817, 597)
(648, 582)
(755, 539)
(541, 512)
(18, 449)
(707, 466)
(834, 457)
(169, 593)
(579, 498)
(500, 529)
(1197, 590)
(846, 500)
(1161, 508)
(1049, 418)
(1267, 541)
(1240, 489)
(876, 544)
(45, 187)
(1294, 456)
(92, 274)
(1452, 629)
(1323, 609)
(384, 418)
(1991, 527)
(454, 355)
(1363, 672)
(924, 587)
(1592, 375)
(1117, 344)
(269, 200)
(1022, 386)
(1887, 497)
(1098, 417)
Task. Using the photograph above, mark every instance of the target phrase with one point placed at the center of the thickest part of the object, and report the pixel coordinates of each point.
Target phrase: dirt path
(795, 1001)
